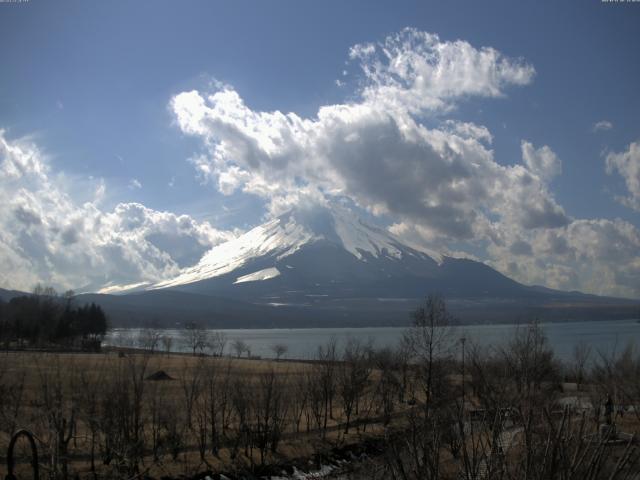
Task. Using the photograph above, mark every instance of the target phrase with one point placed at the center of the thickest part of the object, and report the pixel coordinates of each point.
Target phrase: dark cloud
(520, 247)
(70, 235)
(26, 216)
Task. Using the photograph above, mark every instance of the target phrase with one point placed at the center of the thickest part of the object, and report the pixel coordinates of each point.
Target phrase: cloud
(375, 151)
(542, 162)
(134, 184)
(627, 165)
(602, 126)
(520, 247)
(392, 151)
(417, 71)
(469, 130)
(599, 256)
(46, 236)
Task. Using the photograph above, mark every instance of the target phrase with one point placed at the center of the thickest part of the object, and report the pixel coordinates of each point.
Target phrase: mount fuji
(326, 267)
(307, 257)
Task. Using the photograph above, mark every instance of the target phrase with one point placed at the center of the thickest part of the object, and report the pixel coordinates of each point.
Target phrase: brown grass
(37, 368)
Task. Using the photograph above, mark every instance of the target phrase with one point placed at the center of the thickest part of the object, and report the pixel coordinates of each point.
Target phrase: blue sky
(90, 86)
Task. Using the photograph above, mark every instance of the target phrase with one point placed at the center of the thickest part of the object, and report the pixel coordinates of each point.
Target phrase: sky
(135, 136)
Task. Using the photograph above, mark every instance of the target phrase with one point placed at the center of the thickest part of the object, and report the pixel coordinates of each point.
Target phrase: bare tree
(195, 337)
(430, 342)
(530, 360)
(387, 385)
(239, 347)
(167, 342)
(315, 394)
(12, 387)
(191, 385)
(581, 355)
(269, 411)
(90, 393)
(59, 403)
(217, 343)
(279, 349)
(299, 398)
(517, 434)
(617, 374)
(122, 419)
(353, 375)
(214, 402)
(202, 412)
(157, 404)
(326, 363)
(489, 379)
(241, 404)
(149, 339)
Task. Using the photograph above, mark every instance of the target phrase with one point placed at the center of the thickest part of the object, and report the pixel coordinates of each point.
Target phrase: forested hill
(45, 319)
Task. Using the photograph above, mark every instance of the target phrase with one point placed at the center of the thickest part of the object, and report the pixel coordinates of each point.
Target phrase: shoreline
(362, 327)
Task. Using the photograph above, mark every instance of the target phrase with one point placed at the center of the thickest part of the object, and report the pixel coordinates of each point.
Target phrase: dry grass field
(504, 413)
(204, 413)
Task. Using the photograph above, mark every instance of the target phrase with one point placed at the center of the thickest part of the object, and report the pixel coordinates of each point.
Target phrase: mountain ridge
(326, 267)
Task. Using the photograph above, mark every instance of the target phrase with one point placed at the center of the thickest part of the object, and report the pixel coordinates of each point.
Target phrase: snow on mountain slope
(284, 236)
(274, 237)
(356, 237)
(264, 274)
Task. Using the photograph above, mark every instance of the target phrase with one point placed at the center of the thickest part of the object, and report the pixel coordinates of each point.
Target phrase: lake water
(604, 336)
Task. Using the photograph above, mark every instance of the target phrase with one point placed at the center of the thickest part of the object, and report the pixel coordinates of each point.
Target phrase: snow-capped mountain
(318, 256)
(286, 235)
(326, 267)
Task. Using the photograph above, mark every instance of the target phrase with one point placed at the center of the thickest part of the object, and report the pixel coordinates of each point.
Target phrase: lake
(604, 336)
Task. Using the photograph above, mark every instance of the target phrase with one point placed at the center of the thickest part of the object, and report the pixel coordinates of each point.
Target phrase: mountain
(326, 267)
(6, 295)
(331, 253)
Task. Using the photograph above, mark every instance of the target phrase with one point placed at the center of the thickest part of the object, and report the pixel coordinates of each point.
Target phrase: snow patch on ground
(299, 475)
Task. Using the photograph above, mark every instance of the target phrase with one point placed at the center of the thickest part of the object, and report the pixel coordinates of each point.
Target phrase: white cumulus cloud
(444, 178)
(46, 236)
(542, 161)
(627, 165)
(418, 71)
